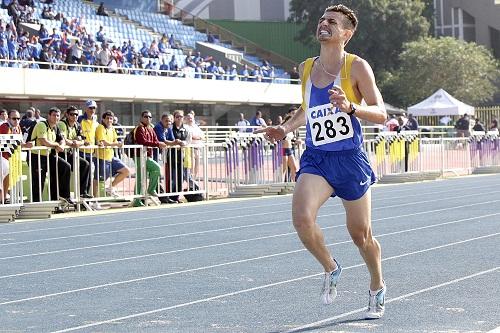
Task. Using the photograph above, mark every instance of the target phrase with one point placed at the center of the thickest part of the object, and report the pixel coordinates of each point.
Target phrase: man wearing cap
(89, 126)
(71, 130)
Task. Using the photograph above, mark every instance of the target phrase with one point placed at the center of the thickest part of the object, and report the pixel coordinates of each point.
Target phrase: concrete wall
(38, 83)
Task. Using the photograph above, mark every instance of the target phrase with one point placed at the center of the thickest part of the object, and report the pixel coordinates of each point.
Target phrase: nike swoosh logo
(364, 183)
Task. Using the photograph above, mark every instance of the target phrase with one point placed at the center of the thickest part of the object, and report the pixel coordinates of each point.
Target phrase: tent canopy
(440, 104)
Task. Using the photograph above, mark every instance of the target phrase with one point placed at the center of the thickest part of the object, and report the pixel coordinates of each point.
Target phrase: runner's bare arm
(365, 86)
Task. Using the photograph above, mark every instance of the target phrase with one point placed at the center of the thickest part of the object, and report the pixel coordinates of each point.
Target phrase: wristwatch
(353, 109)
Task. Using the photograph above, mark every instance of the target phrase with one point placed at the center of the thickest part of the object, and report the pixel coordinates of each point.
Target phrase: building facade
(238, 10)
(469, 20)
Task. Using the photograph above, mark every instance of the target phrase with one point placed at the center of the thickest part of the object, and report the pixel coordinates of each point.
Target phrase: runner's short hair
(351, 20)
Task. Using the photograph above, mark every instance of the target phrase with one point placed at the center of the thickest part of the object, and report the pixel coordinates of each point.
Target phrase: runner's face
(330, 27)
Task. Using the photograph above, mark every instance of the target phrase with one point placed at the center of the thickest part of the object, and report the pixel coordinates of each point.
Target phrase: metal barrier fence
(44, 181)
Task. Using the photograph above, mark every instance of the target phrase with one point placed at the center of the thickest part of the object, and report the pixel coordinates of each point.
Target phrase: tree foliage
(465, 70)
(384, 25)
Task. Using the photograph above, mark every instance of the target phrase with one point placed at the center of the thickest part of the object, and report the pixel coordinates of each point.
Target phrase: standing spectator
(146, 136)
(38, 115)
(462, 126)
(294, 76)
(210, 38)
(28, 120)
(197, 137)
(478, 126)
(71, 130)
(89, 125)
(11, 126)
(107, 164)
(177, 174)
(411, 124)
(164, 133)
(258, 120)
(290, 164)
(46, 133)
(242, 123)
(3, 116)
(392, 124)
(494, 125)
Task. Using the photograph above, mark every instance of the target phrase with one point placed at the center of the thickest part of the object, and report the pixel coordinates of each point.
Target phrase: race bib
(326, 126)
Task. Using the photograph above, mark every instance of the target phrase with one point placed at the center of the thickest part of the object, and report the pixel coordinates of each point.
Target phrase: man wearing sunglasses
(11, 126)
(71, 130)
(145, 135)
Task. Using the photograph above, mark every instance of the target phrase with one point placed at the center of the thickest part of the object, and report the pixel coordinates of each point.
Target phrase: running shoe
(376, 304)
(329, 291)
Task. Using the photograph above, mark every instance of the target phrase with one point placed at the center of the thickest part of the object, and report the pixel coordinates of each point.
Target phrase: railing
(185, 72)
(48, 181)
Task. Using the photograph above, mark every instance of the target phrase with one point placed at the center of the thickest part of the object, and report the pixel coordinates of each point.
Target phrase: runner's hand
(339, 100)
(272, 133)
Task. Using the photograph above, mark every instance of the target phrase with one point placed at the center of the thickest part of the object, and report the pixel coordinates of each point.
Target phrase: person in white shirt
(197, 137)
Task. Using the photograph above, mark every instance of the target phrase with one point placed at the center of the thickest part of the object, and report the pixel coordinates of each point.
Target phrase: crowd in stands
(62, 132)
(73, 47)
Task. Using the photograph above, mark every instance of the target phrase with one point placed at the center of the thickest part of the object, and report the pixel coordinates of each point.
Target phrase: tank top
(328, 128)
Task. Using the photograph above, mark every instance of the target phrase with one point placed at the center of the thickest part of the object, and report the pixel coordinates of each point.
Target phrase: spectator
(146, 136)
(478, 126)
(411, 124)
(164, 133)
(177, 172)
(11, 126)
(4, 115)
(76, 52)
(101, 11)
(107, 164)
(494, 125)
(89, 126)
(171, 42)
(392, 124)
(28, 120)
(46, 133)
(71, 131)
(242, 123)
(210, 38)
(258, 120)
(197, 137)
(462, 126)
(294, 76)
(290, 164)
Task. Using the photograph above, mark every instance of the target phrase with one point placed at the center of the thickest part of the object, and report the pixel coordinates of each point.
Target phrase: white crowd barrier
(41, 180)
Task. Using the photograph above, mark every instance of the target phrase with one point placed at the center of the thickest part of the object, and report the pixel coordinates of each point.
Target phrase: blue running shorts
(347, 171)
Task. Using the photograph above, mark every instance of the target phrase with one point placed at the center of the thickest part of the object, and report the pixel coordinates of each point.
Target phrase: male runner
(334, 164)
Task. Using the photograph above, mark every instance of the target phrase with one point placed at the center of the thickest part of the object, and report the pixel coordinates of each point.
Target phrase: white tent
(440, 104)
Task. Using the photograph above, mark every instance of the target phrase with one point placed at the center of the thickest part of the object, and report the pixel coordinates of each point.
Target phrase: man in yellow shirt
(46, 133)
(71, 130)
(107, 164)
(89, 125)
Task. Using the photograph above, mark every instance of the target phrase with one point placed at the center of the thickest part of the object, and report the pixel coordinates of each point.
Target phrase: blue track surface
(238, 266)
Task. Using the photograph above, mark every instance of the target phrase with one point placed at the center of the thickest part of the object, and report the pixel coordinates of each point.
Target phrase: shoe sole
(374, 315)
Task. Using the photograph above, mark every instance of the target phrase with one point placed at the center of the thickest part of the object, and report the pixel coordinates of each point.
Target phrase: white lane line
(204, 300)
(390, 300)
(254, 259)
(399, 205)
(495, 330)
(171, 236)
(394, 188)
(250, 208)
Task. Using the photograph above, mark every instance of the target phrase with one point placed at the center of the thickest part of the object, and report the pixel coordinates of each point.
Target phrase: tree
(384, 25)
(465, 70)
